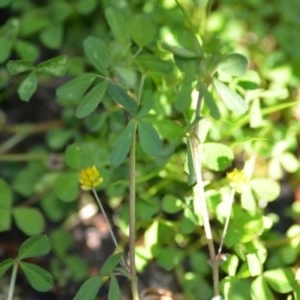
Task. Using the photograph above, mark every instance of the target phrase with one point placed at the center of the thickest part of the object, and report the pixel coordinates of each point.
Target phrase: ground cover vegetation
(149, 149)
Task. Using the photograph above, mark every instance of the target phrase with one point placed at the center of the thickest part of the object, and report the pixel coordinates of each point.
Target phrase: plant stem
(12, 281)
(132, 200)
(132, 180)
(106, 219)
(231, 198)
(200, 206)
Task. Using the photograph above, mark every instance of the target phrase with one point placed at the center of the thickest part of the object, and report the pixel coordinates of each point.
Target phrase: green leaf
(5, 49)
(141, 29)
(34, 246)
(15, 67)
(54, 209)
(233, 64)
(117, 25)
(6, 196)
(154, 64)
(260, 289)
(230, 265)
(75, 89)
(76, 266)
(29, 220)
(171, 204)
(180, 51)
(85, 154)
(73, 156)
(91, 100)
(237, 288)
(281, 280)
(265, 188)
(52, 36)
(183, 97)
(232, 100)
(28, 87)
(4, 3)
(5, 265)
(121, 97)
(149, 139)
(58, 138)
(209, 101)
(86, 7)
(254, 264)
(40, 279)
(27, 51)
(122, 146)
(289, 162)
(5, 219)
(110, 264)
(61, 241)
(96, 52)
(66, 186)
(56, 66)
(217, 157)
(169, 257)
(26, 179)
(114, 292)
(89, 289)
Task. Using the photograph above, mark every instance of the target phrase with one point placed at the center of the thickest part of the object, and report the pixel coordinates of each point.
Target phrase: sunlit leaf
(265, 188)
(217, 157)
(260, 289)
(233, 64)
(149, 139)
(281, 280)
(232, 100)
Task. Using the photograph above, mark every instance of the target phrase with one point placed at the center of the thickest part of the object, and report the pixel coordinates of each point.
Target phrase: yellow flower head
(90, 178)
(237, 179)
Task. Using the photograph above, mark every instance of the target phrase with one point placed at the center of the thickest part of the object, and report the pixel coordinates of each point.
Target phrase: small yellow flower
(237, 179)
(90, 178)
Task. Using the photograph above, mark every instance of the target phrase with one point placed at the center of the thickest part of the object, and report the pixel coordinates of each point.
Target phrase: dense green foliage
(114, 72)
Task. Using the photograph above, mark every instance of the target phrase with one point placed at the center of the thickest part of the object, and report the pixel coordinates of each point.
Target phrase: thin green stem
(200, 206)
(12, 142)
(132, 183)
(132, 202)
(231, 199)
(106, 219)
(12, 281)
